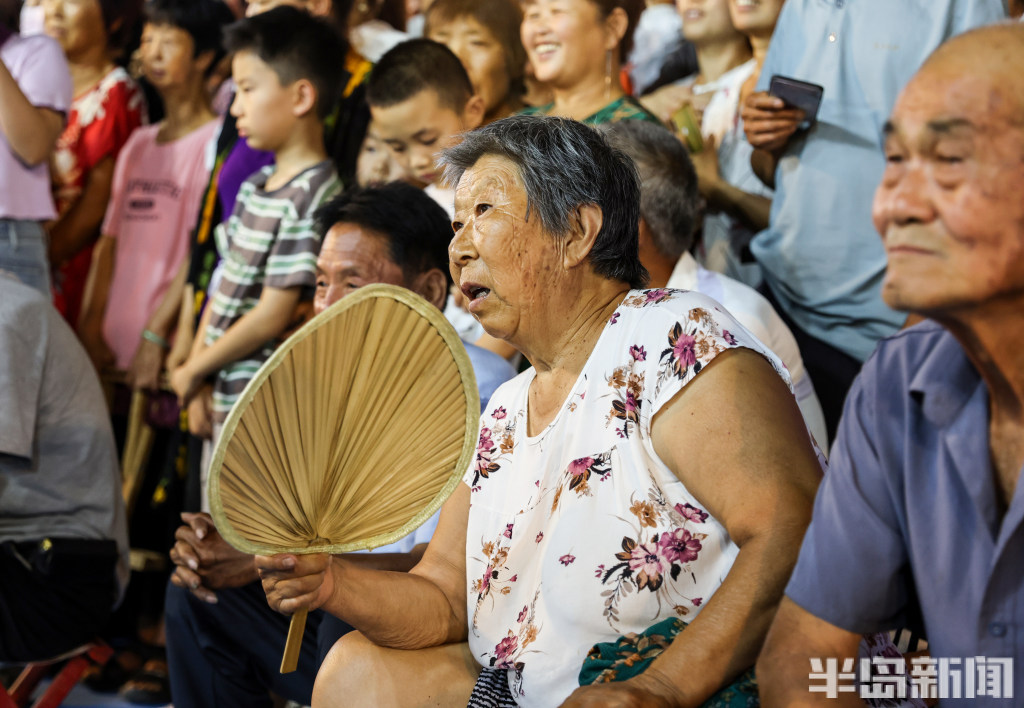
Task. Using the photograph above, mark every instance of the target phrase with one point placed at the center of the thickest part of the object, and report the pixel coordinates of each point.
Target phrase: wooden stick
(290, 660)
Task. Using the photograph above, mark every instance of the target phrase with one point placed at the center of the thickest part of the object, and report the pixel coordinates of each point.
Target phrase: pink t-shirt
(153, 206)
(37, 63)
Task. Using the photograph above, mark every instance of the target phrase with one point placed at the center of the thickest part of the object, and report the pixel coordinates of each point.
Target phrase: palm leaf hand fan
(350, 436)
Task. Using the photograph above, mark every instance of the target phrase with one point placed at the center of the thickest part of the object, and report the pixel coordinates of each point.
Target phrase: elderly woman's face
(501, 262)
(564, 39)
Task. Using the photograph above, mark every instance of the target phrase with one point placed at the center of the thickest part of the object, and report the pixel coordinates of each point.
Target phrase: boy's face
(417, 130)
(262, 106)
(168, 56)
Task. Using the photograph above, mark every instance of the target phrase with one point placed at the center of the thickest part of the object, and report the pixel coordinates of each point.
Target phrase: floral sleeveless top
(581, 534)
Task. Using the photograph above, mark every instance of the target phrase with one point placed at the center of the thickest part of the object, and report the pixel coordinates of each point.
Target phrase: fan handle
(290, 660)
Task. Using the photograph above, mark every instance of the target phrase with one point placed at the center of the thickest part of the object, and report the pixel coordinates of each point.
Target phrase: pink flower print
(514, 578)
(656, 295)
(484, 464)
(679, 546)
(540, 537)
(696, 601)
(567, 559)
(600, 571)
(522, 614)
(499, 413)
(580, 466)
(614, 318)
(504, 651)
(728, 337)
(649, 566)
(698, 516)
(508, 531)
(638, 353)
(683, 350)
(485, 583)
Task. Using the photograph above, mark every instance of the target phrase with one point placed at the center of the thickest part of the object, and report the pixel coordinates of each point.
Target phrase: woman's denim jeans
(23, 253)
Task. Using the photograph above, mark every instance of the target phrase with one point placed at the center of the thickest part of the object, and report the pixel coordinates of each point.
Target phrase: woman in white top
(651, 468)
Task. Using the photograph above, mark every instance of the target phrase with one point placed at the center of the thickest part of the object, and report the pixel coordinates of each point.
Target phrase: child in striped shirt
(287, 74)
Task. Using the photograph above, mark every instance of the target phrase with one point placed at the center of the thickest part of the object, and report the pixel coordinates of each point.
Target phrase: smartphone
(798, 94)
(685, 121)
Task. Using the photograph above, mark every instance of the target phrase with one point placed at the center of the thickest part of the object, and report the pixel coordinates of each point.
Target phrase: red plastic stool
(21, 690)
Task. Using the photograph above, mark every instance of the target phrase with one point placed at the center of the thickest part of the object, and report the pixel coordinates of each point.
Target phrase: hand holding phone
(798, 94)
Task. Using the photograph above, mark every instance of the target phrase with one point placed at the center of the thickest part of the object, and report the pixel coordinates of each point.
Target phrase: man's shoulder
(900, 355)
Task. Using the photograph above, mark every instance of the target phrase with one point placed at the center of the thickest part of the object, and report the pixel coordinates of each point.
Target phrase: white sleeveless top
(581, 534)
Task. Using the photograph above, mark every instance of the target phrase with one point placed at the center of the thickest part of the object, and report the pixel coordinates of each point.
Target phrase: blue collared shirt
(820, 254)
(907, 515)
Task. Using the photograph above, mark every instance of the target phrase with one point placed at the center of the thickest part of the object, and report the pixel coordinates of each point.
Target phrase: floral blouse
(581, 534)
(98, 126)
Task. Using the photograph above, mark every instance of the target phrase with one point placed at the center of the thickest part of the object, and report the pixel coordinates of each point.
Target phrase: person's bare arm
(769, 125)
(80, 224)
(422, 608)
(752, 209)
(94, 303)
(735, 438)
(31, 131)
(797, 636)
(266, 321)
(145, 369)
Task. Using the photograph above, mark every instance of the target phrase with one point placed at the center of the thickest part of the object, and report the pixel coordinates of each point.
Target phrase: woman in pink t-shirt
(35, 92)
(158, 181)
(107, 107)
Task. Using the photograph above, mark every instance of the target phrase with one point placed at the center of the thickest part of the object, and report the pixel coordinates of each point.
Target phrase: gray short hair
(669, 200)
(565, 165)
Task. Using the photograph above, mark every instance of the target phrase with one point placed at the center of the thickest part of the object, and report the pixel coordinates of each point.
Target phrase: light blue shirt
(820, 255)
(906, 524)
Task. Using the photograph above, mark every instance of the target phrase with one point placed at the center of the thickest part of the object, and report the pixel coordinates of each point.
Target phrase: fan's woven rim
(441, 325)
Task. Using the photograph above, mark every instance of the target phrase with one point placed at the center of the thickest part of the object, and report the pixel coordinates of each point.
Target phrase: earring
(608, 76)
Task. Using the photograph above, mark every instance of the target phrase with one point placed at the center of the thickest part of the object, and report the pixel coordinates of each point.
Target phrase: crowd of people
(752, 402)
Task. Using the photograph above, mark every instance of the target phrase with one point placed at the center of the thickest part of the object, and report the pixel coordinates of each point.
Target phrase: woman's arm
(735, 437)
(422, 608)
(752, 209)
(80, 224)
(30, 131)
(94, 303)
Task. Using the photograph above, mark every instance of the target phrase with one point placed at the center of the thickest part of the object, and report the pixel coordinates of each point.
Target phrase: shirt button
(997, 629)
(832, 36)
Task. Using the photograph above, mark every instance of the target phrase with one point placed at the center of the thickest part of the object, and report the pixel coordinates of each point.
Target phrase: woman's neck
(585, 98)
(759, 44)
(717, 58)
(185, 109)
(88, 69)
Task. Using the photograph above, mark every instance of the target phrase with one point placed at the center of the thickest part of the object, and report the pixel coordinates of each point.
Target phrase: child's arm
(145, 368)
(267, 321)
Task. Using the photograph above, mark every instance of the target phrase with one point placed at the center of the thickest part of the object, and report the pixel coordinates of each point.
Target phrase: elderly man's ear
(432, 286)
(583, 231)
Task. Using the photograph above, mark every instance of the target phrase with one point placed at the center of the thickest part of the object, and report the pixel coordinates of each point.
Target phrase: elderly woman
(649, 475)
(577, 48)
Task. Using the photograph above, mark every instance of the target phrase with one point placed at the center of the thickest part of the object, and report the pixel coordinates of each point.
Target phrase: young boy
(421, 99)
(158, 181)
(287, 69)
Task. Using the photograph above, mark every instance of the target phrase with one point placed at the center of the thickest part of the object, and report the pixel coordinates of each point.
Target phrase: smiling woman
(577, 47)
(604, 503)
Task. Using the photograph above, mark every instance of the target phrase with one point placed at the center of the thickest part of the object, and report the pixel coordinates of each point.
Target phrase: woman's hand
(667, 100)
(144, 372)
(648, 690)
(292, 582)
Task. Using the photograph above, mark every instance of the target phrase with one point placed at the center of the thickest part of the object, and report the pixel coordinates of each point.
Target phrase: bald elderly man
(920, 521)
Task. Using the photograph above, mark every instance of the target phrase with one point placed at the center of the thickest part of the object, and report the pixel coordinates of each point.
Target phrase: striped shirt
(269, 240)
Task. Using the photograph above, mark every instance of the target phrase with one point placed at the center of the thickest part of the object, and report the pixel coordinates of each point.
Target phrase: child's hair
(296, 46)
(414, 66)
(203, 20)
(417, 229)
(501, 18)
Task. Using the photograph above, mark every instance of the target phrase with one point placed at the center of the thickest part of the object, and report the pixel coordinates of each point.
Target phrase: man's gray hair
(565, 165)
(669, 200)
